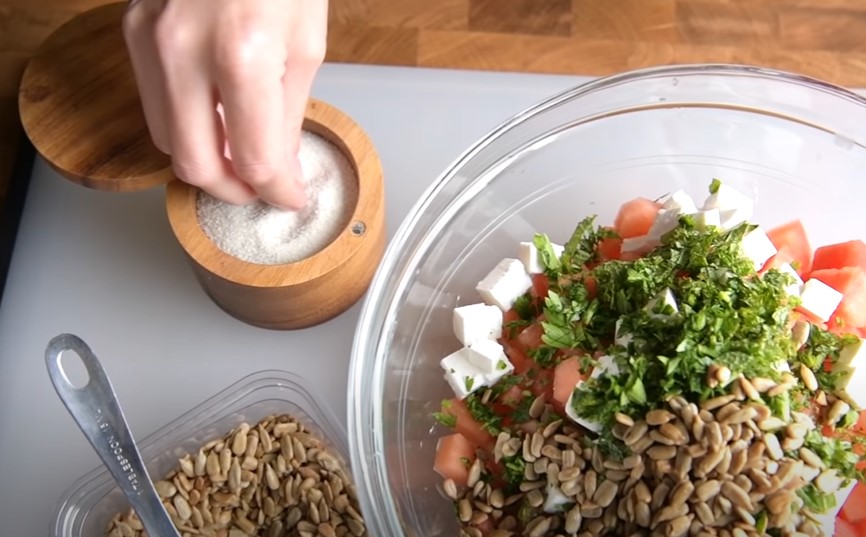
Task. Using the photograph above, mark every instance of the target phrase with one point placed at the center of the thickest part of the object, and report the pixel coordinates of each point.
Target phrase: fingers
(138, 31)
(194, 127)
(250, 88)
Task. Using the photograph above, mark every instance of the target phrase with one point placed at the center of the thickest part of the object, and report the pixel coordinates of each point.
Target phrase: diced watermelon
(779, 258)
(591, 285)
(840, 255)
(791, 237)
(854, 509)
(530, 338)
(510, 316)
(467, 426)
(610, 248)
(851, 282)
(541, 383)
(540, 285)
(565, 377)
(511, 397)
(848, 529)
(454, 455)
(635, 217)
(518, 357)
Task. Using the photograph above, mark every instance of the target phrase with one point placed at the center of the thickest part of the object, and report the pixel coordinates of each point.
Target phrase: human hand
(255, 58)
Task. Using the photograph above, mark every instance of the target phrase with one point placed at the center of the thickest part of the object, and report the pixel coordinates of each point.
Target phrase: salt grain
(263, 234)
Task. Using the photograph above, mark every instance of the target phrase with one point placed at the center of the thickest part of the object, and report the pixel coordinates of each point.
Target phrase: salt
(263, 234)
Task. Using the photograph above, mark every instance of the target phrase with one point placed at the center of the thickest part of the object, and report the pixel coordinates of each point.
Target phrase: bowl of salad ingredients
(637, 308)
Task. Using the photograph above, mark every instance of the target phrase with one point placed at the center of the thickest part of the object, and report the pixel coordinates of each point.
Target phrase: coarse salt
(263, 234)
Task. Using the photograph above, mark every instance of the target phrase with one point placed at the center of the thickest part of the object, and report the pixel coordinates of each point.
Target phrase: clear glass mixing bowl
(795, 144)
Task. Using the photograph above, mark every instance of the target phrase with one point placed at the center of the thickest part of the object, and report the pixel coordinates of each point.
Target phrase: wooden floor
(822, 38)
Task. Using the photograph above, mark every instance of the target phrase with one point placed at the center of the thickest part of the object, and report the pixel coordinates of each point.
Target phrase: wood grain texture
(310, 291)
(81, 109)
(821, 38)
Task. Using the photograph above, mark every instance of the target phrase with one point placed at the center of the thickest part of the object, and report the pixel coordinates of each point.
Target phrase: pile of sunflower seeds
(721, 468)
(272, 479)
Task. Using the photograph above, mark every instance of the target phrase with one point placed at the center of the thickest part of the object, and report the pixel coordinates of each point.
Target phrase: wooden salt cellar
(80, 108)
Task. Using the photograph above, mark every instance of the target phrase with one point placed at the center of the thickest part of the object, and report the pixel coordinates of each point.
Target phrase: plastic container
(795, 144)
(88, 505)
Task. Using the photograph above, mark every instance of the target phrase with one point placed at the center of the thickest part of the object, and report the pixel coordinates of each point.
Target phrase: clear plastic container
(89, 504)
(795, 144)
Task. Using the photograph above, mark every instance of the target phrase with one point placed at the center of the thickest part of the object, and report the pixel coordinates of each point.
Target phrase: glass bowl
(85, 509)
(795, 144)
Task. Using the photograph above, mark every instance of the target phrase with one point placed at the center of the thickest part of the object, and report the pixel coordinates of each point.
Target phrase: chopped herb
(815, 500)
(521, 413)
(468, 382)
(445, 417)
(543, 356)
(549, 259)
(836, 453)
(483, 414)
(525, 307)
(501, 365)
(515, 467)
(714, 185)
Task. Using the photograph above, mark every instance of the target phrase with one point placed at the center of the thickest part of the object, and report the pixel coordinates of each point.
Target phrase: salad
(683, 372)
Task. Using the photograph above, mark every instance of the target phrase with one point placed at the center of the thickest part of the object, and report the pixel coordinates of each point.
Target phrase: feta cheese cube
(666, 221)
(554, 499)
(851, 367)
(529, 255)
(488, 356)
(666, 298)
(819, 299)
(477, 321)
(708, 218)
(463, 377)
(795, 288)
(727, 198)
(605, 365)
(680, 202)
(571, 413)
(641, 244)
(731, 218)
(504, 284)
(758, 247)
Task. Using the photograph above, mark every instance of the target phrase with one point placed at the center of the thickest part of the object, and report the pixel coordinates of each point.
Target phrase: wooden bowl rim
(338, 128)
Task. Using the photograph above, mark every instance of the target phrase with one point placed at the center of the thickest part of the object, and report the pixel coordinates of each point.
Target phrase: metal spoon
(97, 412)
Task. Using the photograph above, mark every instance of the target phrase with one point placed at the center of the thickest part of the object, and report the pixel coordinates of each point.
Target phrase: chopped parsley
(483, 414)
(515, 468)
(445, 417)
(815, 500)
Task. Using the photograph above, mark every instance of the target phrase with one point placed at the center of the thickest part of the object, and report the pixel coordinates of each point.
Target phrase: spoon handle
(96, 410)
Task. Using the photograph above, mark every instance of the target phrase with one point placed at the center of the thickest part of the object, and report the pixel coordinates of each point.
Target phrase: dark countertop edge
(10, 212)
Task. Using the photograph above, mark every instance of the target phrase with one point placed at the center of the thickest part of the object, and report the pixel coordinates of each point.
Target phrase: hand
(255, 58)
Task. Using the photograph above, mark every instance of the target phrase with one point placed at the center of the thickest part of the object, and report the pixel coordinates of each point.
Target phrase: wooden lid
(80, 108)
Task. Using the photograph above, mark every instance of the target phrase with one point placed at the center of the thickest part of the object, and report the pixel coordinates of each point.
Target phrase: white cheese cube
(619, 337)
(477, 321)
(554, 499)
(708, 218)
(819, 299)
(666, 297)
(504, 284)
(606, 366)
(758, 247)
(639, 245)
(488, 356)
(795, 288)
(528, 254)
(679, 201)
(731, 218)
(727, 198)
(463, 377)
(666, 221)
(571, 413)
(851, 367)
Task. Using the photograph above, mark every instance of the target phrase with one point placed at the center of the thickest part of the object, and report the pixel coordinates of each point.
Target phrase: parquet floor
(823, 38)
